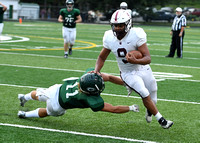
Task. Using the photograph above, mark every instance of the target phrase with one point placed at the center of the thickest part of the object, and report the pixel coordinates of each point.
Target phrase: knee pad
(66, 40)
(143, 92)
(153, 96)
(41, 94)
(42, 98)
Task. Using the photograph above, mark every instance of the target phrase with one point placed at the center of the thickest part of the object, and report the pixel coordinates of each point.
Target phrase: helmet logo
(90, 89)
(116, 16)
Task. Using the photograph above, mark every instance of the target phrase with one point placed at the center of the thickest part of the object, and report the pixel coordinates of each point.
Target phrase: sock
(162, 121)
(33, 113)
(149, 113)
(158, 116)
(28, 96)
(66, 52)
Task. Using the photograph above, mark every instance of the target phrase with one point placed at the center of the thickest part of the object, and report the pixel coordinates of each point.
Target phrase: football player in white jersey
(136, 74)
(124, 6)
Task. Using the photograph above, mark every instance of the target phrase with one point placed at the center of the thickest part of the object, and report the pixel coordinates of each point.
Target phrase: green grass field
(31, 55)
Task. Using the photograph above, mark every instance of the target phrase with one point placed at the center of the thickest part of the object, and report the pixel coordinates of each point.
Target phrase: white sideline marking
(41, 68)
(76, 133)
(36, 55)
(177, 101)
(19, 86)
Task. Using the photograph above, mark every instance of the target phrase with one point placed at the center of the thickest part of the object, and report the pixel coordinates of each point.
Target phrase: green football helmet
(91, 83)
(70, 4)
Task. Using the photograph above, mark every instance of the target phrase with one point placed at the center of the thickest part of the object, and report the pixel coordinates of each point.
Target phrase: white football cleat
(21, 114)
(66, 56)
(148, 117)
(166, 124)
(22, 99)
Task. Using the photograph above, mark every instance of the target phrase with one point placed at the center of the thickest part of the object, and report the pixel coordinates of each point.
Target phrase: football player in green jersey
(3, 8)
(83, 92)
(69, 17)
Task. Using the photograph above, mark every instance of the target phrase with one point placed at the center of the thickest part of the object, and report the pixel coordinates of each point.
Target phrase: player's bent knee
(143, 93)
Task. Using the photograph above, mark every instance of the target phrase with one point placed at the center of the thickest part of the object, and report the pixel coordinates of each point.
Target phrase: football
(136, 54)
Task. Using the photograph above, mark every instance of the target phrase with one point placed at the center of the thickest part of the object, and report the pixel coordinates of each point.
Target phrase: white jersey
(132, 40)
(137, 77)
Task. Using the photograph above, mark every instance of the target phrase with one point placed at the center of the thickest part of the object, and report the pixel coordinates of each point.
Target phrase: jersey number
(122, 53)
(68, 87)
(69, 20)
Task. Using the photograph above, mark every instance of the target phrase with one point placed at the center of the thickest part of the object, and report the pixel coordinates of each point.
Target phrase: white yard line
(125, 96)
(176, 66)
(76, 133)
(177, 101)
(90, 59)
(160, 76)
(46, 68)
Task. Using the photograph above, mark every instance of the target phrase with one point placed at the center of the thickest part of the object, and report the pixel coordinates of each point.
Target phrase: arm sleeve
(105, 40)
(142, 38)
(96, 103)
(77, 12)
(183, 22)
(60, 12)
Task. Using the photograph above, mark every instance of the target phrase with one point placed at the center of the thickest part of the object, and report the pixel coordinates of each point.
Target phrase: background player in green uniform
(69, 17)
(83, 92)
(2, 10)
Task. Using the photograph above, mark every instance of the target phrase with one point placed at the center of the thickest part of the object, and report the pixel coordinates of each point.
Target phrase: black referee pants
(176, 44)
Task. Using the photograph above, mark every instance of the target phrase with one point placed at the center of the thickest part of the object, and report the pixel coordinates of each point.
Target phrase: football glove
(134, 108)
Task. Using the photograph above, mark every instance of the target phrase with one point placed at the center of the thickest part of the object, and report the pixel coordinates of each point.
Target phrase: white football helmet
(121, 16)
(123, 5)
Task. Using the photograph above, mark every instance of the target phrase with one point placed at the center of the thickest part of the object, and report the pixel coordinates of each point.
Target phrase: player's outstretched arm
(112, 78)
(120, 108)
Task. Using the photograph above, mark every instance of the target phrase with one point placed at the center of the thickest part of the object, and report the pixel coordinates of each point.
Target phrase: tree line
(104, 5)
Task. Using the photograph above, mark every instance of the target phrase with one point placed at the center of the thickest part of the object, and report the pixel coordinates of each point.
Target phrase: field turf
(31, 56)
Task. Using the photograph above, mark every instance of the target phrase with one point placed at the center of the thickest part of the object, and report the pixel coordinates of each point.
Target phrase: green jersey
(1, 14)
(70, 97)
(69, 17)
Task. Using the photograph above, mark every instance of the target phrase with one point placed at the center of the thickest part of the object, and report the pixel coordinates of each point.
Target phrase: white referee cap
(179, 9)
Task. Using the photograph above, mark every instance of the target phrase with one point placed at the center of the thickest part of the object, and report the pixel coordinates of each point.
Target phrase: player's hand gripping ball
(136, 54)
(132, 56)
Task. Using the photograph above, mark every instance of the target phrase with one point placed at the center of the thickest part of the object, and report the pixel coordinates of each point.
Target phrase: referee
(177, 33)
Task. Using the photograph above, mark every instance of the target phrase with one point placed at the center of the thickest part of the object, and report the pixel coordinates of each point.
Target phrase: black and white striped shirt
(178, 23)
